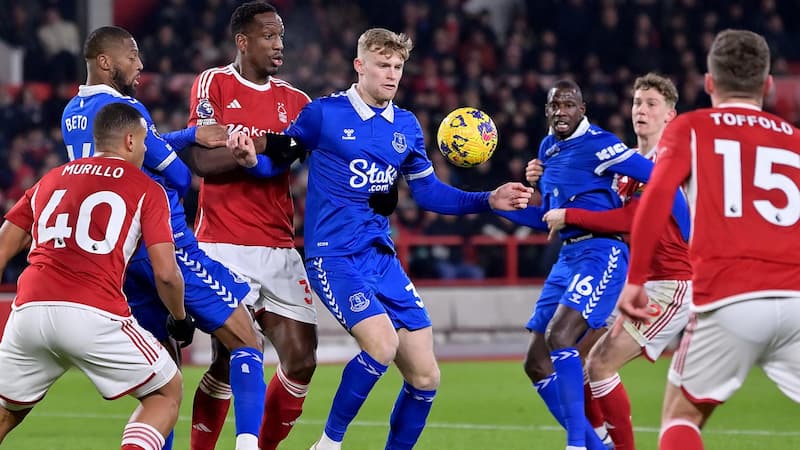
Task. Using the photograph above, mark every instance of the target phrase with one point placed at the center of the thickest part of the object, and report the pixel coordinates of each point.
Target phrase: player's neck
(368, 99)
(647, 143)
(718, 100)
(248, 73)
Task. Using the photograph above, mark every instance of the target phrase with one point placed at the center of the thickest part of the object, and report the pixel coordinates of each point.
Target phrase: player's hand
(242, 148)
(556, 220)
(534, 171)
(211, 136)
(632, 305)
(181, 330)
(510, 196)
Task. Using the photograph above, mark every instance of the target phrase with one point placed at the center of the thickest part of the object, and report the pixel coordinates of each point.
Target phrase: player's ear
(130, 141)
(708, 84)
(241, 41)
(768, 85)
(103, 61)
(358, 65)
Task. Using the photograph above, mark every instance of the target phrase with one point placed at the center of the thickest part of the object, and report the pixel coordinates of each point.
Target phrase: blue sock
(168, 441)
(358, 378)
(408, 417)
(548, 390)
(569, 371)
(248, 389)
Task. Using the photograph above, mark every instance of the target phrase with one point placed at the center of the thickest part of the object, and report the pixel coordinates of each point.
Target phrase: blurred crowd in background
(498, 55)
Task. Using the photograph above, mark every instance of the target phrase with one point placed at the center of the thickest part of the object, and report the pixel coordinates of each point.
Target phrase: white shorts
(669, 312)
(42, 341)
(277, 277)
(721, 346)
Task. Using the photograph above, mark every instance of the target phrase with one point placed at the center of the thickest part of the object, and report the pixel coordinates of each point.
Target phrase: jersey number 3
(764, 178)
(62, 230)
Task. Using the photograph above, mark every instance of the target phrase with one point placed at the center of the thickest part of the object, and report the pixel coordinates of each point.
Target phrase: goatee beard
(119, 83)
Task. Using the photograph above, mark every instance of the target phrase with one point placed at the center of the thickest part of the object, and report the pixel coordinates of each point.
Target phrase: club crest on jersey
(283, 116)
(358, 302)
(399, 142)
(204, 109)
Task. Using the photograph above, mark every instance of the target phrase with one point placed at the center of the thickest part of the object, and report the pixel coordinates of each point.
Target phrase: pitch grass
(481, 405)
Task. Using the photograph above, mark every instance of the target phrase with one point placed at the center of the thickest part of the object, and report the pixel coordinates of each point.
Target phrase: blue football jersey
(581, 171)
(356, 150)
(76, 128)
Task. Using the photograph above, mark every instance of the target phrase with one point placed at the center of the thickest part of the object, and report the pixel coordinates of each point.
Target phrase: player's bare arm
(13, 240)
(206, 161)
(510, 196)
(211, 136)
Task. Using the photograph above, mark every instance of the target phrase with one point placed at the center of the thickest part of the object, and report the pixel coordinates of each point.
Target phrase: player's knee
(559, 338)
(597, 367)
(384, 350)
(536, 370)
(301, 368)
(426, 381)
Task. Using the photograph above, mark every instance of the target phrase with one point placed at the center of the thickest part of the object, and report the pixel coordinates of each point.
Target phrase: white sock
(326, 443)
(246, 441)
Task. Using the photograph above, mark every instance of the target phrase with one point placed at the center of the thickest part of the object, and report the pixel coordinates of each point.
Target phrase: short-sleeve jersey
(238, 208)
(741, 169)
(357, 150)
(671, 257)
(579, 170)
(76, 128)
(86, 219)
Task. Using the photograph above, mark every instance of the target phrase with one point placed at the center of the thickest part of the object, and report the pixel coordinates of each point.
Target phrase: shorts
(212, 292)
(669, 312)
(42, 340)
(356, 287)
(277, 278)
(588, 277)
(720, 347)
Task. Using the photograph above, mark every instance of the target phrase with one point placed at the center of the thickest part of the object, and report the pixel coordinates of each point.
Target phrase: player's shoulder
(283, 85)
(214, 74)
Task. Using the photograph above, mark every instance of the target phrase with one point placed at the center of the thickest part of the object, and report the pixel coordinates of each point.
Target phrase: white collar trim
(582, 128)
(739, 105)
(364, 111)
(86, 90)
(259, 87)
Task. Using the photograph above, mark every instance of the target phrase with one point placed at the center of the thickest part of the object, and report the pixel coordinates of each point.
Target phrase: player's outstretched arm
(617, 220)
(13, 240)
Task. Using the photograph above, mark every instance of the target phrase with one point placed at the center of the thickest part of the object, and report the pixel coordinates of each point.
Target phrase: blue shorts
(356, 287)
(588, 277)
(211, 295)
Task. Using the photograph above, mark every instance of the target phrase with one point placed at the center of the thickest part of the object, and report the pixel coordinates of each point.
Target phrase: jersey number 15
(764, 178)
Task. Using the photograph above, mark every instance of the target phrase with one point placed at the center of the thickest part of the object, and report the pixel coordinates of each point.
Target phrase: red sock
(592, 407)
(680, 435)
(613, 399)
(209, 410)
(141, 436)
(282, 407)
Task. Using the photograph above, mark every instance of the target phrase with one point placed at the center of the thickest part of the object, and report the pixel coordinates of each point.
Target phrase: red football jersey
(741, 169)
(671, 255)
(238, 208)
(86, 219)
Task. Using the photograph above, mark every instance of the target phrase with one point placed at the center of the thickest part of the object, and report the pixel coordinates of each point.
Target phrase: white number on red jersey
(61, 230)
(763, 178)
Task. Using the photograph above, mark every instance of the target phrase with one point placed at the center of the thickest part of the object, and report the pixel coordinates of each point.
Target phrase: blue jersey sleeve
(308, 125)
(417, 164)
(530, 217)
(433, 195)
(181, 139)
(160, 158)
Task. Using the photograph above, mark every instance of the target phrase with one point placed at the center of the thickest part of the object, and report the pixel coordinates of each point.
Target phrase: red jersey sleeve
(156, 228)
(204, 101)
(21, 214)
(672, 168)
(617, 220)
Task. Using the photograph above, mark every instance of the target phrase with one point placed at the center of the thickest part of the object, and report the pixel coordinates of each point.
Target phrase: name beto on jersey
(380, 180)
(751, 120)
